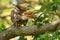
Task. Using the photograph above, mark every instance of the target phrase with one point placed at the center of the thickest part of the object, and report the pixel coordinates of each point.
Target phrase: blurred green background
(5, 9)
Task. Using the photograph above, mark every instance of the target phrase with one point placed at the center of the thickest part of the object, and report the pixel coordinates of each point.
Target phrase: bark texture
(14, 31)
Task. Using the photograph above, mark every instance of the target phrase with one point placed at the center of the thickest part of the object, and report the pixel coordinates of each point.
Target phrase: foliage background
(6, 6)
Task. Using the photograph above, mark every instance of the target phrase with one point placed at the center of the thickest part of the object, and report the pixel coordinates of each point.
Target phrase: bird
(19, 16)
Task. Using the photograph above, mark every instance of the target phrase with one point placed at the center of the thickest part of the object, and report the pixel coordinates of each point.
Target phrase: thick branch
(14, 31)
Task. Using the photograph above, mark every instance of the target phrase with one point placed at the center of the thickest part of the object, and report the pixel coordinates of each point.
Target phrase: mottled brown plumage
(16, 16)
(20, 16)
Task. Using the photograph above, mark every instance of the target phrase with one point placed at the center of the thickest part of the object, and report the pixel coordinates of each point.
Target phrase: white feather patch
(14, 15)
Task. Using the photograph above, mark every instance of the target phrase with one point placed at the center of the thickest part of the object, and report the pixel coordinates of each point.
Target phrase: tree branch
(14, 31)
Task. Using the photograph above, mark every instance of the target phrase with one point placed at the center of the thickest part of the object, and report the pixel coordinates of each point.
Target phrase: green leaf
(54, 6)
(42, 8)
(48, 9)
(46, 1)
(2, 27)
(35, 37)
(55, 1)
